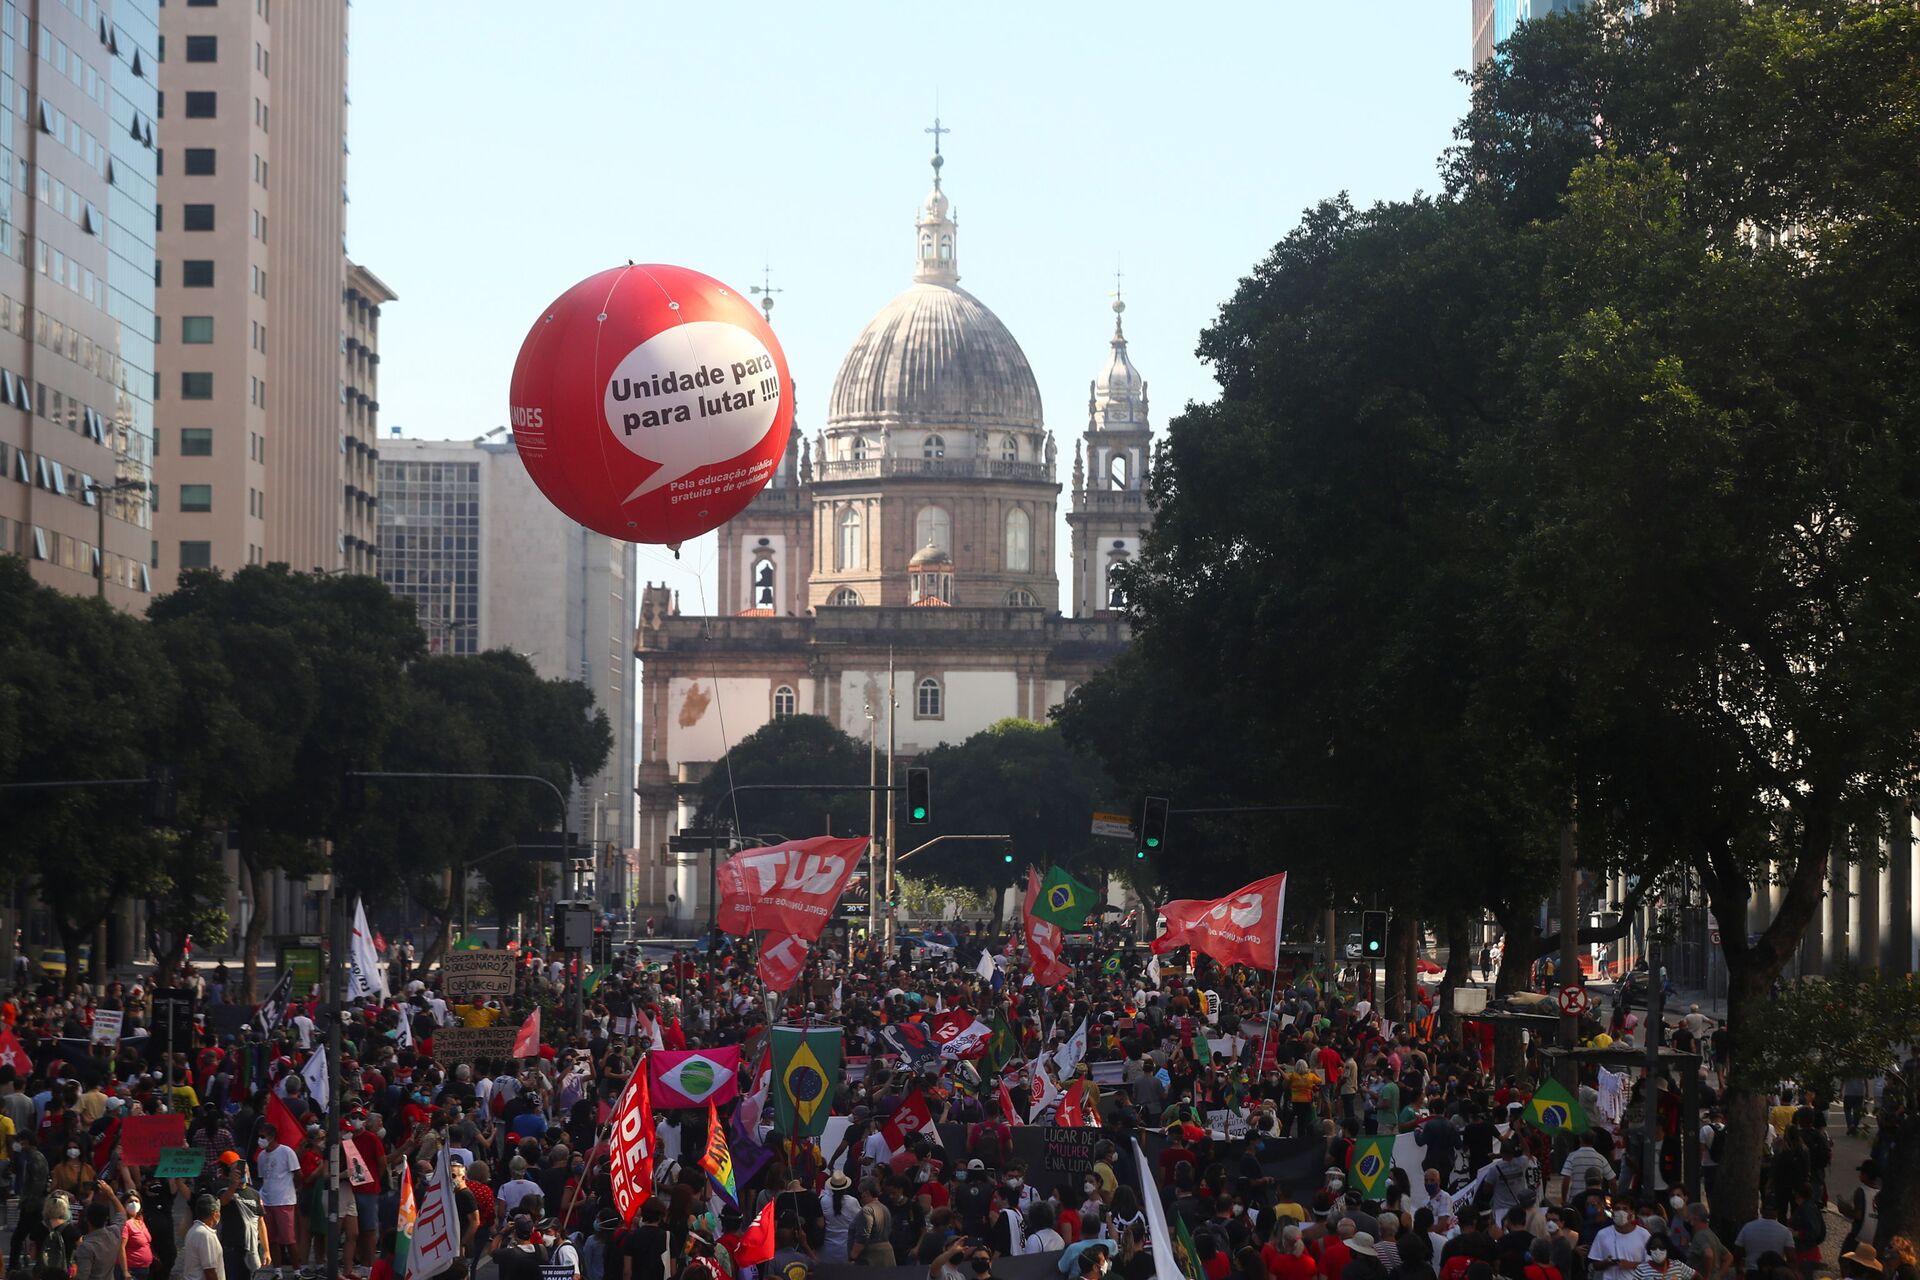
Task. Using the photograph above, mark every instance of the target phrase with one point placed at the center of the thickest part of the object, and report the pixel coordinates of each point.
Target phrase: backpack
(1719, 1143)
(986, 1145)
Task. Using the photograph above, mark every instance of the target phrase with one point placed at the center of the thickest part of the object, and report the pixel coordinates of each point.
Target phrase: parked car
(53, 960)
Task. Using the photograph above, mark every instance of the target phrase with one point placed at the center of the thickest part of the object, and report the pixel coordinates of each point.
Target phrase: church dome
(935, 356)
(930, 555)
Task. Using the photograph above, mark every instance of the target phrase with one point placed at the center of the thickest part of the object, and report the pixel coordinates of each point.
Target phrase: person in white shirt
(1580, 1162)
(275, 1168)
(511, 1193)
(201, 1257)
(303, 1025)
(1619, 1250)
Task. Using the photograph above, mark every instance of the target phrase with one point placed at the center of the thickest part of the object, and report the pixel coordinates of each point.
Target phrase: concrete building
(253, 403)
(359, 476)
(78, 105)
(491, 564)
(1494, 20)
(915, 532)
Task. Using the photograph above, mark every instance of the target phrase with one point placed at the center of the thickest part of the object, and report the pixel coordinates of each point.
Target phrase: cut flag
(1555, 1110)
(1063, 900)
(693, 1077)
(786, 888)
(1241, 928)
(1045, 942)
(527, 1043)
(783, 958)
(717, 1160)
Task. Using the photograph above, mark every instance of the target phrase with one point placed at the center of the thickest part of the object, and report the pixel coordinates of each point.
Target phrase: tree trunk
(256, 926)
(1736, 1194)
(1410, 965)
(1398, 936)
(1516, 958)
(70, 936)
(1459, 943)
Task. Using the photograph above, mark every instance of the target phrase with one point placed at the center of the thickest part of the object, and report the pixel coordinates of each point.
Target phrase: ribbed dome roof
(935, 356)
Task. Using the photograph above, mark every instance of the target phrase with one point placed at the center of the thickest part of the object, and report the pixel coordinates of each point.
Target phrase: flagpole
(1273, 996)
(336, 1004)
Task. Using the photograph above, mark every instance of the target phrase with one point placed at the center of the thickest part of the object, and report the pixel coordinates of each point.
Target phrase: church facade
(909, 546)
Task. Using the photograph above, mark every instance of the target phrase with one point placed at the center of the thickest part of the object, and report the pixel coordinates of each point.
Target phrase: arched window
(1116, 593)
(859, 448)
(1117, 470)
(1021, 598)
(933, 526)
(845, 598)
(935, 447)
(946, 248)
(926, 246)
(926, 699)
(1010, 449)
(784, 702)
(847, 550)
(1019, 542)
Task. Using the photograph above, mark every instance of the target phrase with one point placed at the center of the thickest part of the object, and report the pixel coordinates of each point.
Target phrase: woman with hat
(1862, 1262)
(840, 1208)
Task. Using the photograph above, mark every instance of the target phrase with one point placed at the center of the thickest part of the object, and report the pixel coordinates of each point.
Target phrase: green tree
(1014, 778)
(84, 694)
(792, 750)
(287, 681)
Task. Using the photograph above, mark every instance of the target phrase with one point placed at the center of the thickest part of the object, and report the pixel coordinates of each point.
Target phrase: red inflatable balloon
(651, 403)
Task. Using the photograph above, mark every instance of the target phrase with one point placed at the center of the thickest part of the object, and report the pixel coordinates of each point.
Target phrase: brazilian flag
(1111, 966)
(1371, 1165)
(806, 1062)
(1555, 1110)
(1063, 901)
(1001, 1046)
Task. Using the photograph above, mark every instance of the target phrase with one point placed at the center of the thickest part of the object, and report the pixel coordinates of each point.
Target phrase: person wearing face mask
(136, 1239)
(1438, 1198)
(73, 1174)
(276, 1166)
(1618, 1250)
(1660, 1263)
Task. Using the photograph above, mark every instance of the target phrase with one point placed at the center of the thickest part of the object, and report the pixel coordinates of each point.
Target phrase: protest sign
(180, 1162)
(142, 1138)
(475, 976)
(472, 1044)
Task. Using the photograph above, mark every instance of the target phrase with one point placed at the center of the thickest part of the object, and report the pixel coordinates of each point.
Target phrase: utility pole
(336, 1003)
(1656, 1009)
(873, 830)
(1569, 929)
(893, 717)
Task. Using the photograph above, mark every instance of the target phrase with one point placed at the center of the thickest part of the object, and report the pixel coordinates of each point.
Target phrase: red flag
(630, 1148)
(104, 1148)
(786, 888)
(783, 958)
(527, 1043)
(13, 1055)
(1241, 928)
(960, 1034)
(1006, 1104)
(1067, 1113)
(1045, 942)
(289, 1129)
(756, 1246)
(910, 1116)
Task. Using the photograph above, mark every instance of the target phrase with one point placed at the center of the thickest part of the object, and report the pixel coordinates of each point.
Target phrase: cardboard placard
(143, 1138)
(106, 1025)
(454, 1045)
(474, 976)
(180, 1162)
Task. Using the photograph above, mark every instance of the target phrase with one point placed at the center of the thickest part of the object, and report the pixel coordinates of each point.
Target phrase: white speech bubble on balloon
(690, 396)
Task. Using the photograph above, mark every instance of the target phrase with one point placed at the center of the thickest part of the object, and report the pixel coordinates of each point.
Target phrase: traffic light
(1153, 825)
(1373, 935)
(919, 797)
(1007, 857)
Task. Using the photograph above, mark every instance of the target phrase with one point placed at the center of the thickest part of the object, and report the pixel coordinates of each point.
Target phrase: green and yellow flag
(1063, 901)
(806, 1062)
(1555, 1110)
(1001, 1046)
(1184, 1251)
(467, 944)
(1371, 1165)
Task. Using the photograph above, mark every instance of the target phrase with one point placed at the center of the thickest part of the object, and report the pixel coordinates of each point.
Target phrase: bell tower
(1109, 512)
(764, 551)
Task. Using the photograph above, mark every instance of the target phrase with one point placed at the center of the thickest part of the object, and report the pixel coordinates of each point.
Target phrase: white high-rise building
(491, 564)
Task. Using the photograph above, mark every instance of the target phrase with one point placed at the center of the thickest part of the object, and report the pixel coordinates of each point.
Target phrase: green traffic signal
(1153, 842)
(919, 813)
(1006, 857)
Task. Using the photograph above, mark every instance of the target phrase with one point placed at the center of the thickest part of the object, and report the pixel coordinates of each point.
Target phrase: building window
(926, 700)
(196, 555)
(845, 598)
(935, 447)
(196, 386)
(847, 550)
(859, 448)
(1021, 598)
(196, 329)
(1019, 542)
(196, 442)
(202, 104)
(1116, 590)
(932, 526)
(1010, 449)
(200, 162)
(196, 497)
(197, 217)
(203, 48)
(197, 273)
(784, 702)
(1117, 469)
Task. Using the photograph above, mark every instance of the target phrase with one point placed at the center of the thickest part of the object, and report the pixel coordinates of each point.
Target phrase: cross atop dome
(936, 260)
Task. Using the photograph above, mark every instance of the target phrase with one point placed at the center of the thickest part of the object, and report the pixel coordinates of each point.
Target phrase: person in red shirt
(1334, 1254)
(1287, 1257)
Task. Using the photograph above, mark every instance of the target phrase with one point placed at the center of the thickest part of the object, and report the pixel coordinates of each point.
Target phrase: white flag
(985, 968)
(315, 1076)
(1157, 1233)
(1153, 972)
(364, 979)
(1069, 1054)
(405, 1038)
(436, 1232)
(1044, 1093)
(837, 989)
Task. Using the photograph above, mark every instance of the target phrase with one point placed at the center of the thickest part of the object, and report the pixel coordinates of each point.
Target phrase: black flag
(274, 1010)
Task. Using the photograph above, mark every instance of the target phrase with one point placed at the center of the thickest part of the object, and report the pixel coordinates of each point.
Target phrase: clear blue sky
(500, 152)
